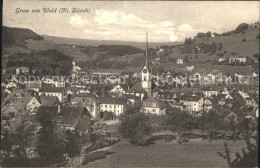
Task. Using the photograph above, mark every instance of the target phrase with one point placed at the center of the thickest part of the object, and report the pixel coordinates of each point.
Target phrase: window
(154, 110)
(105, 106)
(110, 106)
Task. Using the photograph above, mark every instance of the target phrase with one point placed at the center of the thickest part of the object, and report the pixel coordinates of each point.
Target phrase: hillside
(87, 42)
(204, 52)
(17, 36)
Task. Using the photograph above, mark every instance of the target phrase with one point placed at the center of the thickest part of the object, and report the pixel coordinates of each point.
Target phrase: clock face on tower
(145, 70)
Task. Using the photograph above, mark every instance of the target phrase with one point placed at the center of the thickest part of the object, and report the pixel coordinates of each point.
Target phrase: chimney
(58, 108)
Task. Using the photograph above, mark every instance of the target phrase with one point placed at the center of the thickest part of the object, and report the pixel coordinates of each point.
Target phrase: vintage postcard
(130, 84)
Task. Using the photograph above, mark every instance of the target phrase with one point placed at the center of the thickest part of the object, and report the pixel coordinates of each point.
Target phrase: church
(144, 89)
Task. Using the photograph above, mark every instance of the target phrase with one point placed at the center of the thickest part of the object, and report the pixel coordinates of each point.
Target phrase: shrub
(243, 40)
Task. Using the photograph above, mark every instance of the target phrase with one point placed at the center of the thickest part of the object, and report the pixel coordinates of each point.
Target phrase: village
(130, 84)
(79, 100)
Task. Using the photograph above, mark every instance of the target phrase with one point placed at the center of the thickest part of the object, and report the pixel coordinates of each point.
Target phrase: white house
(221, 60)
(60, 92)
(114, 105)
(55, 81)
(155, 106)
(21, 70)
(209, 92)
(11, 85)
(237, 59)
(179, 61)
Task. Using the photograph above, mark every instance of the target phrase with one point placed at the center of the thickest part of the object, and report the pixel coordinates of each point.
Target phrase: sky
(164, 21)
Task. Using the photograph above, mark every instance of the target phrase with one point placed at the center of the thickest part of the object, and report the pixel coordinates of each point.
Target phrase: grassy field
(195, 153)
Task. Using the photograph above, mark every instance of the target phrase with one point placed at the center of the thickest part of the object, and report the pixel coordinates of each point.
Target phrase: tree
(208, 34)
(240, 28)
(220, 46)
(186, 59)
(17, 133)
(210, 122)
(52, 141)
(188, 41)
(179, 122)
(135, 126)
(249, 157)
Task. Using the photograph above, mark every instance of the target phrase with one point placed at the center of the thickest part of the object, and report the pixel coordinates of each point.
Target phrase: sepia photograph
(130, 84)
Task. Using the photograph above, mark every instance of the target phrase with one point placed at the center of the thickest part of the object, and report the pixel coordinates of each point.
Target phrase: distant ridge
(16, 36)
(87, 42)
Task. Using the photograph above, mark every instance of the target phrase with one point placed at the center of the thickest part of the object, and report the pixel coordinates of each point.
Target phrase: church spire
(146, 53)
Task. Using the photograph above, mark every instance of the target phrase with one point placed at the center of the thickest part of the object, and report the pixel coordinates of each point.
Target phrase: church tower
(146, 73)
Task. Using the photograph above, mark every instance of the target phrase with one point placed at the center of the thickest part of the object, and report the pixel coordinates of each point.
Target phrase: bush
(243, 40)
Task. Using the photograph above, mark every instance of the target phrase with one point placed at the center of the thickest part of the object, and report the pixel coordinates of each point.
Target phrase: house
(59, 92)
(88, 100)
(76, 119)
(176, 104)
(114, 105)
(33, 104)
(179, 61)
(55, 81)
(34, 86)
(155, 106)
(209, 92)
(207, 105)
(243, 94)
(166, 96)
(131, 98)
(189, 68)
(221, 60)
(21, 70)
(120, 89)
(237, 59)
(193, 103)
(37, 101)
(11, 85)
(137, 90)
(106, 72)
